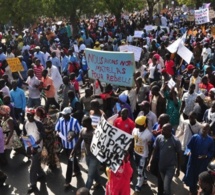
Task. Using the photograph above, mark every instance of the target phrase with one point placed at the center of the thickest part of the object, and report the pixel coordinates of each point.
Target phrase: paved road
(18, 179)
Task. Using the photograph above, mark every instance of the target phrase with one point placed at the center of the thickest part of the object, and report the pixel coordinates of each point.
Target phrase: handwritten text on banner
(111, 67)
(109, 144)
(202, 16)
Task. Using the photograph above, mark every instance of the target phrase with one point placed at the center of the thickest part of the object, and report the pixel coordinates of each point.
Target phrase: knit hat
(141, 120)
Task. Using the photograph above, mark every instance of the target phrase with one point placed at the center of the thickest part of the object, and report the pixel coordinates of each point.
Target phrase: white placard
(185, 53)
(76, 48)
(109, 144)
(101, 24)
(149, 27)
(171, 83)
(174, 46)
(138, 34)
(136, 50)
(202, 16)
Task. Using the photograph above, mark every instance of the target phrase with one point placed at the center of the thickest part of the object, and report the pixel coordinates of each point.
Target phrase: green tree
(116, 7)
(20, 12)
(72, 9)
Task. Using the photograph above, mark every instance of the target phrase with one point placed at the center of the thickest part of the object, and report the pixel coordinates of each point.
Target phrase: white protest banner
(171, 83)
(138, 34)
(101, 24)
(76, 48)
(202, 16)
(109, 144)
(136, 50)
(174, 46)
(185, 53)
(116, 68)
(149, 27)
(211, 14)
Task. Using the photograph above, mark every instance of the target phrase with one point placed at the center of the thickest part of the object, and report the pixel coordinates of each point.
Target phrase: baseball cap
(141, 120)
(67, 110)
(190, 67)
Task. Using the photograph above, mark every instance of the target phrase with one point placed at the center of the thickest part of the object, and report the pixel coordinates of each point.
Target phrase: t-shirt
(189, 100)
(34, 92)
(125, 125)
(141, 140)
(51, 92)
(167, 149)
(169, 67)
(31, 129)
(38, 71)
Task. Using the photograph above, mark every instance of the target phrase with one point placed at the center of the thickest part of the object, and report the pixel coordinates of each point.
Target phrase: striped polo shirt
(64, 127)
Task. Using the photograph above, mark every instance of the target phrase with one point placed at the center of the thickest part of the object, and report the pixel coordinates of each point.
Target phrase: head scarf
(4, 110)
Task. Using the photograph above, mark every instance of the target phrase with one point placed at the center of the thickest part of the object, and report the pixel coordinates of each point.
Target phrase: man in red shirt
(205, 86)
(169, 65)
(124, 123)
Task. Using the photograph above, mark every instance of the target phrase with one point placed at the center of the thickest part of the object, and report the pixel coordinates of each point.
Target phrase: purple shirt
(1, 141)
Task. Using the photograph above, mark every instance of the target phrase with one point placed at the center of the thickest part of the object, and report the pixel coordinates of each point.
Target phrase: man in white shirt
(188, 101)
(145, 111)
(142, 136)
(4, 88)
(206, 52)
(163, 20)
(34, 129)
(9, 53)
(33, 87)
(188, 128)
(54, 73)
(46, 54)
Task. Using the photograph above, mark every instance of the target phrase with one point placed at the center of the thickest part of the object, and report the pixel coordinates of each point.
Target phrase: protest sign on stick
(109, 144)
(202, 16)
(15, 64)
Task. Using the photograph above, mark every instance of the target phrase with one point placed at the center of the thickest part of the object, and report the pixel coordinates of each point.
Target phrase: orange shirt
(46, 82)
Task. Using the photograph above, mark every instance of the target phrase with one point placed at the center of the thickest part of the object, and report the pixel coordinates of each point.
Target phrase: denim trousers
(33, 103)
(167, 174)
(93, 172)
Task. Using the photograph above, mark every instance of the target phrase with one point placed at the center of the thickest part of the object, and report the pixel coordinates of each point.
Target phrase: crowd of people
(173, 127)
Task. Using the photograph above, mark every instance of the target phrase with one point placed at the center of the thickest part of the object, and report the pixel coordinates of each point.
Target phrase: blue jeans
(93, 173)
(33, 103)
(167, 175)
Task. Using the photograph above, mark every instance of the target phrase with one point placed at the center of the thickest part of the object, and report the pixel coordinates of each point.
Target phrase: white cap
(37, 47)
(67, 110)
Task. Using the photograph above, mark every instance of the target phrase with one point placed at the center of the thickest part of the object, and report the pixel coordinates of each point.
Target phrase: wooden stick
(20, 75)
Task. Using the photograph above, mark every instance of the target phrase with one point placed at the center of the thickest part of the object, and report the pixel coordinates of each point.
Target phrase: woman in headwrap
(49, 141)
(12, 141)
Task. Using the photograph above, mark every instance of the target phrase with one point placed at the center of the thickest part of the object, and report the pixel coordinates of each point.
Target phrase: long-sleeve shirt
(18, 98)
(56, 62)
(65, 62)
(40, 55)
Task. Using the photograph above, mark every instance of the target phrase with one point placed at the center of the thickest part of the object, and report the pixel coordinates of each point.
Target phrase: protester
(201, 147)
(68, 129)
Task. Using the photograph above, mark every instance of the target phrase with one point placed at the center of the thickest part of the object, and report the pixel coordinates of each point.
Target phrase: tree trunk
(151, 7)
(118, 18)
(73, 20)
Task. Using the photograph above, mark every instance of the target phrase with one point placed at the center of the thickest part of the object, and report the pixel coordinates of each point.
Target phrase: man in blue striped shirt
(68, 129)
